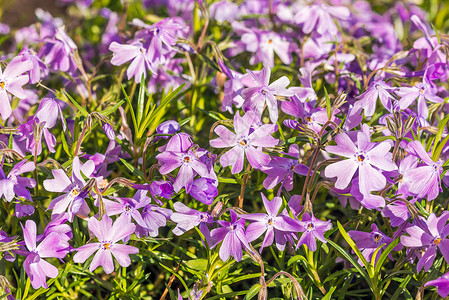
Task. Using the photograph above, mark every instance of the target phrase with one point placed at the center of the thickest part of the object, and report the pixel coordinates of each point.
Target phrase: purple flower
(420, 91)
(368, 100)
(260, 92)
(51, 246)
(58, 51)
(11, 80)
(189, 163)
(442, 284)
(108, 234)
(281, 169)
(39, 69)
(31, 132)
(361, 158)
(73, 189)
(14, 185)
(204, 190)
(233, 236)
(128, 207)
(429, 234)
(244, 142)
(154, 217)
(312, 229)
(264, 44)
(424, 180)
(312, 117)
(135, 52)
(187, 218)
(48, 113)
(319, 16)
(161, 188)
(368, 242)
(168, 127)
(277, 226)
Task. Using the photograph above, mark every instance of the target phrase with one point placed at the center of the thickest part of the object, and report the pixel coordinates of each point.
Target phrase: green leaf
(112, 109)
(133, 115)
(134, 170)
(149, 119)
(79, 107)
(384, 255)
(439, 149)
(197, 264)
(402, 289)
(253, 291)
(228, 180)
(141, 100)
(348, 256)
(329, 293)
(328, 104)
(354, 247)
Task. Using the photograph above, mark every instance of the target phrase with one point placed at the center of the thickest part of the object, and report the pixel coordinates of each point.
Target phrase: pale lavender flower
(189, 165)
(204, 190)
(429, 234)
(423, 180)
(312, 229)
(260, 92)
(361, 158)
(244, 142)
(442, 284)
(420, 91)
(12, 80)
(154, 217)
(319, 17)
(15, 185)
(276, 225)
(73, 189)
(187, 218)
(233, 236)
(51, 246)
(369, 242)
(281, 170)
(128, 207)
(108, 234)
(39, 69)
(57, 52)
(139, 56)
(368, 100)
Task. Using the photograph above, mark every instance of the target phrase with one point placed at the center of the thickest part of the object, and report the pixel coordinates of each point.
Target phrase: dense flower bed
(225, 150)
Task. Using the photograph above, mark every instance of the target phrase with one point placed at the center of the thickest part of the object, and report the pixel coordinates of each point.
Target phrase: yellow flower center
(2, 84)
(107, 246)
(437, 241)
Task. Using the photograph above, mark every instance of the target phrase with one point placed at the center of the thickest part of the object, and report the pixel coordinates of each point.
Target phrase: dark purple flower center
(264, 91)
(270, 222)
(361, 157)
(377, 237)
(127, 207)
(310, 226)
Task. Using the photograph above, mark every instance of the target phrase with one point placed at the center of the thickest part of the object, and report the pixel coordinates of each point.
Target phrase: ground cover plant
(193, 149)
